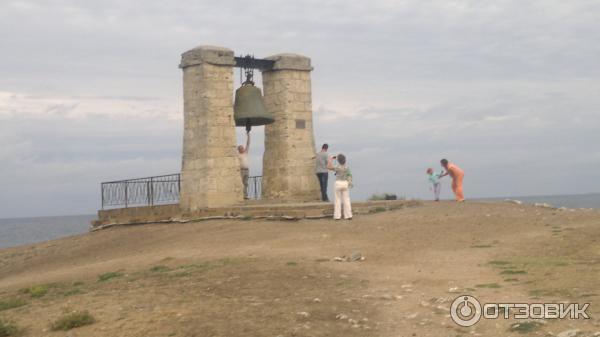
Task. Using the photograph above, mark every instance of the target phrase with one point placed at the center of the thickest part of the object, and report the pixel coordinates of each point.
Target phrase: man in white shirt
(244, 165)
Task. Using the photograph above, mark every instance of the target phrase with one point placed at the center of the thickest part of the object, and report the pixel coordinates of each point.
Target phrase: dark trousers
(323, 183)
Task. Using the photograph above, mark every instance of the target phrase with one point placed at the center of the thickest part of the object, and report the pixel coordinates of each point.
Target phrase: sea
(21, 231)
(589, 200)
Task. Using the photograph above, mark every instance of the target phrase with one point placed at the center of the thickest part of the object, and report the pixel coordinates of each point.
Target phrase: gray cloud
(90, 91)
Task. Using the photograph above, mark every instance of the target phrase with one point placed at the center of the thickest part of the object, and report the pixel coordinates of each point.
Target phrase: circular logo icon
(465, 310)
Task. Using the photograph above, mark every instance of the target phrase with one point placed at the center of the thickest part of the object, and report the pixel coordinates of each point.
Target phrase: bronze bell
(249, 108)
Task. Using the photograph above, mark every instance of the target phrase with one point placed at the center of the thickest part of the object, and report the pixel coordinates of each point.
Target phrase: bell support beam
(260, 64)
(210, 172)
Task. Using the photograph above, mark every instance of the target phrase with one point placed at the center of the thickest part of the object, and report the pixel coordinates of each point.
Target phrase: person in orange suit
(457, 175)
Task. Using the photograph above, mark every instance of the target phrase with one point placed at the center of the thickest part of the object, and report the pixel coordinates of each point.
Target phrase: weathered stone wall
(210, 173)
(288, 161)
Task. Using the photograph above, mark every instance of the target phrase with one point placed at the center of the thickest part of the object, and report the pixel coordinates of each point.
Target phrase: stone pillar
(210, 173)
(288, 161)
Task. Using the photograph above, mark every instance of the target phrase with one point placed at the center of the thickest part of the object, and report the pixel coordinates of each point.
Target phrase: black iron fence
(141, 191)
(159, 190)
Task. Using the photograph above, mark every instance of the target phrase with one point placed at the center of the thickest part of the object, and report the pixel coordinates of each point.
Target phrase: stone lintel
(207, 54)
(290, 62)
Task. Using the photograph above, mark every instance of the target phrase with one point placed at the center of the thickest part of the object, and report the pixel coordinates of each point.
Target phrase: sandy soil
(276, 278)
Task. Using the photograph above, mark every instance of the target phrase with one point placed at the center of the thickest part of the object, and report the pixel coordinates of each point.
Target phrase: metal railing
(159, 190)
(141, 191)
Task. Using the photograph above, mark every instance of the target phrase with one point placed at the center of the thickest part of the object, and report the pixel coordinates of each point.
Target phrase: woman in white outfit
(343, 184)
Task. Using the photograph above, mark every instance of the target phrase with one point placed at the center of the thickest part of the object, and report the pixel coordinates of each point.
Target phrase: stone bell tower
(210, 172)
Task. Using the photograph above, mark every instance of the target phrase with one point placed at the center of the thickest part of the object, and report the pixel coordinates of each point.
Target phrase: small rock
(355, 256)
(517, 202)
(317, 300)
(569, 333)
(443, 300)
(303, 314)
(341, 317)
(339, 259)
(453, 290)
(387, 297)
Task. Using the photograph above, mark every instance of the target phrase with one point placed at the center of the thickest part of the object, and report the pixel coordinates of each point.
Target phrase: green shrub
(378, 210)
(36, 291)
(383, 196)
(72, 292)
(498, 262)
(72, 320)
(11, 303)
(159, 269)
(488, 285)
(513, 272)
(8, 329)
(108, 276)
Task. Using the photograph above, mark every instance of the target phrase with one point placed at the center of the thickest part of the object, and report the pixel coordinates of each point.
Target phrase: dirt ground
(279, 278)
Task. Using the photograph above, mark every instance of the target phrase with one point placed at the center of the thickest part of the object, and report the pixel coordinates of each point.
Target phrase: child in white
(434, 179)
(343, 184)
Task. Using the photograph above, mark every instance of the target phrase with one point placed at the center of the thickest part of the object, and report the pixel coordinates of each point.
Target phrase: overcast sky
(509, 90)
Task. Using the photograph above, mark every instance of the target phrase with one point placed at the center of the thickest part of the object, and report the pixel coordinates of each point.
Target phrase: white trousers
(342, 198)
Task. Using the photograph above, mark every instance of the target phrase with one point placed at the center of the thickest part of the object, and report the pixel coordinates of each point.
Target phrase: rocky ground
(307, 278)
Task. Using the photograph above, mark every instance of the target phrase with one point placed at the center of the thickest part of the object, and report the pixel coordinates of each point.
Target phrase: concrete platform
(259, 210)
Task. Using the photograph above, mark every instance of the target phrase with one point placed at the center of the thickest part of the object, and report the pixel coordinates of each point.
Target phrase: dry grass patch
(72, 320)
